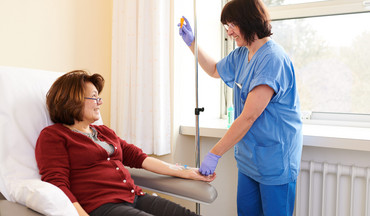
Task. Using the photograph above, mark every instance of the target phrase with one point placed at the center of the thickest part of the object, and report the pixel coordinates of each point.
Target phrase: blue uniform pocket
(269, 160)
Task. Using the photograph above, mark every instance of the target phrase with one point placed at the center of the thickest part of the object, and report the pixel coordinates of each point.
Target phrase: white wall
(58, 36)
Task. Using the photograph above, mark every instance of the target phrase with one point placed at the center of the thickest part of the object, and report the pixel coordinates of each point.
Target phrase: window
(331, 59)
(328, 43)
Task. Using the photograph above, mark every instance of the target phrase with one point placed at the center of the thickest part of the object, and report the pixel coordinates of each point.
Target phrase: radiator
(332, 189)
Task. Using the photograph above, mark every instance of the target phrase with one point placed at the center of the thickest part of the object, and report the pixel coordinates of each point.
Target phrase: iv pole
(197, 110)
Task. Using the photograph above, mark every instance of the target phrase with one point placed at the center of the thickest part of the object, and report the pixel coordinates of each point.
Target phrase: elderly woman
(87, 161)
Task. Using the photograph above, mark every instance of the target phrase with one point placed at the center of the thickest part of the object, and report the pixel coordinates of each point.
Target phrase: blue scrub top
(270, 152)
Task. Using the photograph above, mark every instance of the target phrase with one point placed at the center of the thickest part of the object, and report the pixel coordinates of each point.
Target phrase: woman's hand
(80, 210)
(186, 32)
(193, 173)
(164, 168)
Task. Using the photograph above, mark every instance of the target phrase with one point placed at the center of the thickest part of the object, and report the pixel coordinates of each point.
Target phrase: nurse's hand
(209, 164)
(186, 32)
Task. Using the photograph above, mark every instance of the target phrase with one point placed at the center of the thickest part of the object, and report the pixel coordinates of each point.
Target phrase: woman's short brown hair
(65, 99)
(251, 16)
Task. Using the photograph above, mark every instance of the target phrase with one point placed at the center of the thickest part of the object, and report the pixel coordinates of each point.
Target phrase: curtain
(140, 107)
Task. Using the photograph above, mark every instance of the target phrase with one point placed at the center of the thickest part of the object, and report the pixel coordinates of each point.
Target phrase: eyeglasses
(227, 26)
(98, 100)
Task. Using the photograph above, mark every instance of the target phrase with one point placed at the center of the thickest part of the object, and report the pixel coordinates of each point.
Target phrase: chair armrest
(197, 191)
(8, 208)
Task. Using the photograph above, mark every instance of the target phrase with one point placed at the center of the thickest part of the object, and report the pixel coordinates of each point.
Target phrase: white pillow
(43, 197)
(23, 114)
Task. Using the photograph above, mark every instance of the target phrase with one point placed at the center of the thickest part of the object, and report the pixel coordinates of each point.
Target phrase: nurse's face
(234, 32)
(91, 110)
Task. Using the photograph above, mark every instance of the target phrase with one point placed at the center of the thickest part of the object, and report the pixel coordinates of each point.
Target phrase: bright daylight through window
(330, 50)
(331, 58)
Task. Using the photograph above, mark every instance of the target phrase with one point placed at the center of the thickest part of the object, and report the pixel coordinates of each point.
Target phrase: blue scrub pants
(255, 199)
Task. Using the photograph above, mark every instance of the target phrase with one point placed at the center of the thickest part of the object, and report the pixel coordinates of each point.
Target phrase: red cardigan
(83, 170)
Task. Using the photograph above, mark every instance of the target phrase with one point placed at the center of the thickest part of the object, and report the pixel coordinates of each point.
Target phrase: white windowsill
(317, 135)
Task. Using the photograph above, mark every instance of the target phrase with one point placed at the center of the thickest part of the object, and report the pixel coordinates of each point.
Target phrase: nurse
(267, 132)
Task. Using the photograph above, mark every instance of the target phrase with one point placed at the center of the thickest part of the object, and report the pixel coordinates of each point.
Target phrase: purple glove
(209, 164)
(186, 32)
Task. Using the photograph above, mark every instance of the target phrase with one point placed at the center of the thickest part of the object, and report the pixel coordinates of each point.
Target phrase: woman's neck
(80, 126)
(256, 45)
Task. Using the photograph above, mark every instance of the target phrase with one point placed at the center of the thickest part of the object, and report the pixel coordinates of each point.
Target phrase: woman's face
(234, 32)
(91, 110)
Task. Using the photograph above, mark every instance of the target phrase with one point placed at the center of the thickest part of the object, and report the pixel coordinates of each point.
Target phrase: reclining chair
(23, 114)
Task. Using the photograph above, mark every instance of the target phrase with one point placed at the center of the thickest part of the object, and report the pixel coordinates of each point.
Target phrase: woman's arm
(80, 210)
(161, 167)
(257, 101)
(206, 62)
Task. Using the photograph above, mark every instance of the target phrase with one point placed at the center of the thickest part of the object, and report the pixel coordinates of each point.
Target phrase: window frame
(316, 9)
(226, 93)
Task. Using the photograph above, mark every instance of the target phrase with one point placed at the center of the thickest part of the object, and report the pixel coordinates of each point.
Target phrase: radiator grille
(332, 189)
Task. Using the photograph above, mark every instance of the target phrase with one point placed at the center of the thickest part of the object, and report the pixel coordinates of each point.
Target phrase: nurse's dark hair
(251, 16)
(65, 98)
